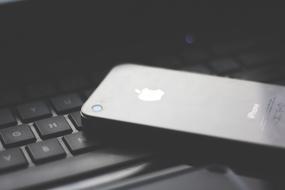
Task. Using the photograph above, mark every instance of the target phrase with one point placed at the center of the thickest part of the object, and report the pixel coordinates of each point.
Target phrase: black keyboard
(42, 137)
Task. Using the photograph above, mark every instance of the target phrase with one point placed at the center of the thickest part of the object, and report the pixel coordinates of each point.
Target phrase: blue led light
(97, 108)
(189, 39)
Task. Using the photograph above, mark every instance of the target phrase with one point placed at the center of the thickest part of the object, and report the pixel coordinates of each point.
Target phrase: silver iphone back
(192, 103)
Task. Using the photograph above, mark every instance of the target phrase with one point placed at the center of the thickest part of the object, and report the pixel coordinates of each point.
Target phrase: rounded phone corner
(84, 112)
(86, 118)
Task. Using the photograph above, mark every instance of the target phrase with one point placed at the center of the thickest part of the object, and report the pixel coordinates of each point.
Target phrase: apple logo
(149, 95)
(253, 112)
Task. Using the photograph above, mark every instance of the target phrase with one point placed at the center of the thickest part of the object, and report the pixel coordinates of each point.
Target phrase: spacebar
(70, 167)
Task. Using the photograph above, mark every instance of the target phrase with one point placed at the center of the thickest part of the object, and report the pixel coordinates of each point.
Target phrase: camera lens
(97, 108)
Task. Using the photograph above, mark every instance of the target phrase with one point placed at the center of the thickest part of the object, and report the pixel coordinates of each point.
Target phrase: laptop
(55, 53)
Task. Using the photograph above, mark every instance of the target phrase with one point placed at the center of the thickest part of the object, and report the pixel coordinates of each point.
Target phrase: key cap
(221, 66)
(15, 136)
(78, 143)
(75, 117)
(66, 103)
(46, 151)
(32, 111)
(12, 159)
(52, 127)
(7, 118)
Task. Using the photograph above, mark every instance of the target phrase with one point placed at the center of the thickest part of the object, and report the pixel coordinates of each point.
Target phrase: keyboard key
(221, 66)
(67, 103)
(12, 159)
(33, 111)
(7, 118)
(75, 117)
(15, 136)
(46, 151)
(78, 143)
(52, 127)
